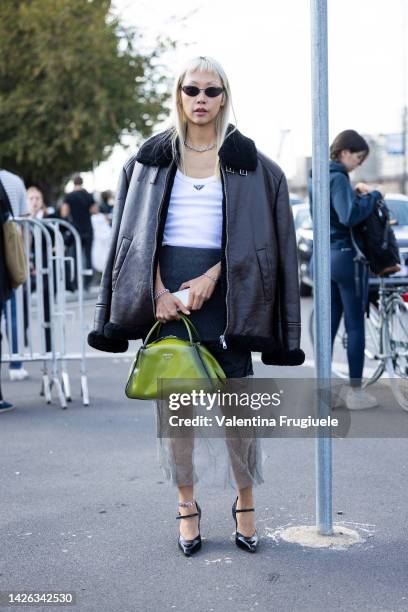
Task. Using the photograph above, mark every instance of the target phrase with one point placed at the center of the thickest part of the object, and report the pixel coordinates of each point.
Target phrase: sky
(264, 47)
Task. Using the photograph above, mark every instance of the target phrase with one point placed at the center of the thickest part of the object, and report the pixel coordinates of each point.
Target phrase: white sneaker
(359, 399)
(18, 374)
(339, 396)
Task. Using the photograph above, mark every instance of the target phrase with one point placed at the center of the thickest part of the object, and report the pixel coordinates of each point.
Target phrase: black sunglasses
(211, 92)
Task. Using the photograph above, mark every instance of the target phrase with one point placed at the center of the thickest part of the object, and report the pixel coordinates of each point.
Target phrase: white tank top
(194, 215)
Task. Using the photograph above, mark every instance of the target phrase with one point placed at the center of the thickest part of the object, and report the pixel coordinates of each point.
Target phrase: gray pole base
(308, 535)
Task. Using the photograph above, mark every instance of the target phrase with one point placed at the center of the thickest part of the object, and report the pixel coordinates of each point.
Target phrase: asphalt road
(85, 508)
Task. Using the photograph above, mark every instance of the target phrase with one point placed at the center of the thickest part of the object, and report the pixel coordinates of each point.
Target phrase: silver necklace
(200, 150)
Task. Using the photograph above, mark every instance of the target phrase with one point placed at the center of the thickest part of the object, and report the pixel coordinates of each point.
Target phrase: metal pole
(403, 184)
(321, 256)
(404, 99)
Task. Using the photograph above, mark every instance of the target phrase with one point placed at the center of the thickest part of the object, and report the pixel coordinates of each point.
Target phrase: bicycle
(386, 331)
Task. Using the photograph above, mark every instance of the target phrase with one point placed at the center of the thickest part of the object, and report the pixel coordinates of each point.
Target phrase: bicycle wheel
(398, 334)
(395, 331)
(372, 325)
(339, 354)
(373, 347)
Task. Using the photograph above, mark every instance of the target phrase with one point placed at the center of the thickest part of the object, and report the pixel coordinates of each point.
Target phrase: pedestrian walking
(349, 278)
(200, 207)
(17, 195)
(77, 208)
(5, 292)
(107, 204)
(102, 231)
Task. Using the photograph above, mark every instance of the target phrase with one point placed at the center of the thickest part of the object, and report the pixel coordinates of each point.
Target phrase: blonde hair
(178, 127)
(33, 189)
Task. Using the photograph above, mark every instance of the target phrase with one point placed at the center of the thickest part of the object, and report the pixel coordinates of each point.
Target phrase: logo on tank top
(198, 187)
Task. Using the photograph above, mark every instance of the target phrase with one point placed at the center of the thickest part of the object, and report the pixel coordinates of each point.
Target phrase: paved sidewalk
(85, 508)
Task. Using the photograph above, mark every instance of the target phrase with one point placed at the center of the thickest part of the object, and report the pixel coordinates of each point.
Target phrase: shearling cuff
(110, 345)
(283, 357)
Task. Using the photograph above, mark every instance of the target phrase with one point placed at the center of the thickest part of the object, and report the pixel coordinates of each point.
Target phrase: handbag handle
(189, 325)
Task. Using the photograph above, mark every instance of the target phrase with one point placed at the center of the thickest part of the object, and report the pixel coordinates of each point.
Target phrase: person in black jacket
(349, 279)
(5, 293)
(77, 208)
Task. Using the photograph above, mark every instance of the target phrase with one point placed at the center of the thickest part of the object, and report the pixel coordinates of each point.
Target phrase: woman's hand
(362, 188)
(167, 307)
(201, 289)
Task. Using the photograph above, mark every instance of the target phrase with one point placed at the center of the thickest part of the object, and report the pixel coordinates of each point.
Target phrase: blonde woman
(39, 210)
(199, 207)
(36, 205)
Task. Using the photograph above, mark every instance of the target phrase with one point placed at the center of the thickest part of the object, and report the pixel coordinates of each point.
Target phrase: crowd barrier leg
(36, 328)
(28, 341)
(58, 226)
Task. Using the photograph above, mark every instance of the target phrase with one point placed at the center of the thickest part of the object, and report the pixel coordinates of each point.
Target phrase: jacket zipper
(222, 337)
(157, 231)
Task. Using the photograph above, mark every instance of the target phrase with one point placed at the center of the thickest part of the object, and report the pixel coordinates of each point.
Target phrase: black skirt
(179, 264)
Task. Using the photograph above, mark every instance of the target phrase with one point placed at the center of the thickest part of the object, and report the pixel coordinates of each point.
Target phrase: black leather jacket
(259, 269)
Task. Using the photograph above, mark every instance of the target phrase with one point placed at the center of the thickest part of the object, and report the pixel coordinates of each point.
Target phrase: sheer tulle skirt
(214, 461)
(230, 460)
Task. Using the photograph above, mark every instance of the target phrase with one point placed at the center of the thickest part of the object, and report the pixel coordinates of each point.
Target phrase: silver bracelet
(161, 292)
(187, 504)
(214, 280)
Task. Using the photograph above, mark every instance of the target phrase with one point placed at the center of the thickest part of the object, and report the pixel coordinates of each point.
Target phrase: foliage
(72, 84)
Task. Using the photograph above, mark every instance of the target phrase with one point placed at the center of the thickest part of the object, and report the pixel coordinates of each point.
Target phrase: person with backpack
(349, 278)
(14, 193)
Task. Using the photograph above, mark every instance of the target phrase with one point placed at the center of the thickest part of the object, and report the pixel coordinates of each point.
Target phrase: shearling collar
(237, 152)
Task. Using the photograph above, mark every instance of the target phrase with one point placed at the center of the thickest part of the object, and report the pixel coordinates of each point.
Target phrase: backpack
(379, 246)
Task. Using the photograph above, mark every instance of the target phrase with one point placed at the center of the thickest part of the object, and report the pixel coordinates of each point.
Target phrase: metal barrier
(36, 319)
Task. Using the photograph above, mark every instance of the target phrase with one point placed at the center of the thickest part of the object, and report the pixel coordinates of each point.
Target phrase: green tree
(73, 83)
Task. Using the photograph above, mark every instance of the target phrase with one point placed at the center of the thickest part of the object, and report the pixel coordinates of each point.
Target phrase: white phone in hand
(182, 295)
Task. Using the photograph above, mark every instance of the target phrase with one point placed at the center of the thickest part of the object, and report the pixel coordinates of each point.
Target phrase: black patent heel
(250, 543)
(189, 547)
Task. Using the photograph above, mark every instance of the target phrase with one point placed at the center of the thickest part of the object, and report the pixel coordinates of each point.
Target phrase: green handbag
(176, 361)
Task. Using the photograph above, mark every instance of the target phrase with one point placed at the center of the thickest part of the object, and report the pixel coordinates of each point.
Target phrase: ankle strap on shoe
(181, 516)
(245, 510)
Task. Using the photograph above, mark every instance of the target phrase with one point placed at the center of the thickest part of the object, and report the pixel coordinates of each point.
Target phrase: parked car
(304, 240)
(398, 206)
